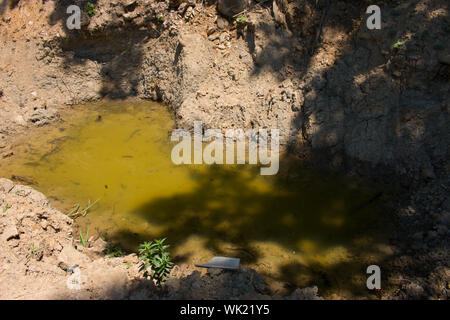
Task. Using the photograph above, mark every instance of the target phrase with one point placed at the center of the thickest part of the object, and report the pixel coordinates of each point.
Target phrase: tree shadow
(299, 212)
(381, 109)
(374, 102)
(366, 103)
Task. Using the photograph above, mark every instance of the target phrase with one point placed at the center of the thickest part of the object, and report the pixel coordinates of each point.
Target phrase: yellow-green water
(297, 228)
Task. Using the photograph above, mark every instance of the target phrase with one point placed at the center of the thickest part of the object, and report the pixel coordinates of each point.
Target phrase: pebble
(9, 232)
(222, 23)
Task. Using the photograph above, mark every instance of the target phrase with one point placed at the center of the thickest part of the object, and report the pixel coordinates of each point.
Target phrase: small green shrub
(33, 251)
(399, 44)
(240, 20)
(89, 9)
(84, 237)
(154, 254)
(5, 206)
(75, 212)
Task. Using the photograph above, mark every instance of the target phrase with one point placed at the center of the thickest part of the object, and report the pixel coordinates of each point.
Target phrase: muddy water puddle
(298, 228)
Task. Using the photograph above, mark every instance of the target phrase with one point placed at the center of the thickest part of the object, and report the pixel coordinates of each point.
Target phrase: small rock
(414, 291)
(224, 36)
(310, 293)
(129, 3)
(190, 13)
(18, 119)
(221, 23)
(6, 185)
(213, 37)
(99, 246)
(130, 15)
(182, 8)
(231, 7)
(278, 15)
(242, 54)
(210, 31)
(44, 224)
(7, 154)
(10, 232)
(69, 256)
(131, 258)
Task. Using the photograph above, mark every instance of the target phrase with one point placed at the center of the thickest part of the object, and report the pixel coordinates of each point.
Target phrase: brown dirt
(349, 100)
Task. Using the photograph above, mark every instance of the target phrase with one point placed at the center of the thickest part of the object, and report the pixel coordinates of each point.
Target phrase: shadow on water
(312, 227)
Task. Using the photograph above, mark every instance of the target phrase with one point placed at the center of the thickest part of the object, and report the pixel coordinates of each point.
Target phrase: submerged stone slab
(221, 262)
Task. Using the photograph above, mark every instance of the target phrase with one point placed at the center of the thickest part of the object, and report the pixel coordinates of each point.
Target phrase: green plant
(399, 44)
(161, 18)
(89, 9)
(5, 206)
(74, 210)
(33, 251)
(154, 254)
(240, 20)
(113, 250)
(75, 213)
(438, 47)
(84, 237)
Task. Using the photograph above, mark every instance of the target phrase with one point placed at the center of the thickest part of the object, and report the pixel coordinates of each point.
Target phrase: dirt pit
(298, 228)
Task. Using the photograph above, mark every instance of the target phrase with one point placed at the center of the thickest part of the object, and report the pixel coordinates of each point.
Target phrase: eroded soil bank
(343, 96)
